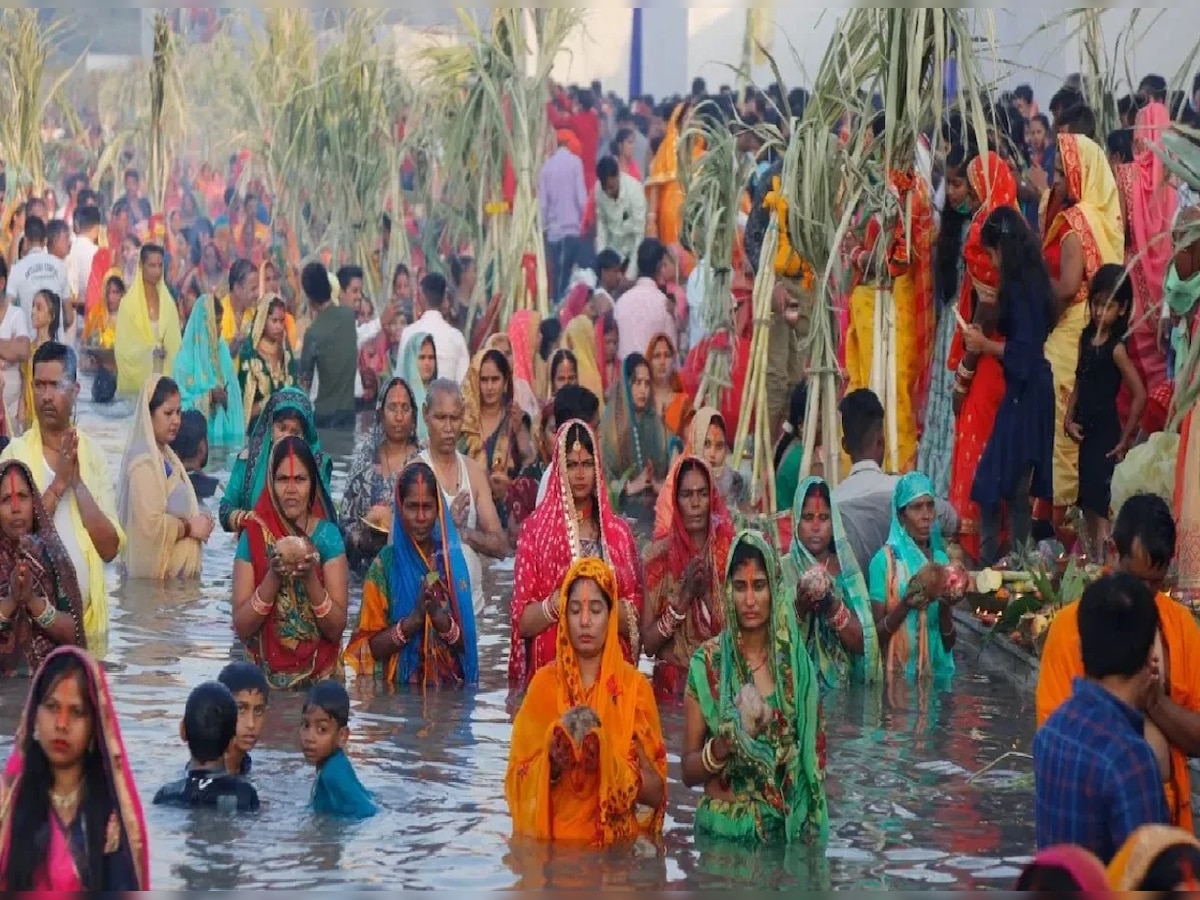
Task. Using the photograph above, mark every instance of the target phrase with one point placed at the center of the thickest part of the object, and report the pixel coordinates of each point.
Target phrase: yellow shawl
(136, 340)
(580, 338)
(1098, 200)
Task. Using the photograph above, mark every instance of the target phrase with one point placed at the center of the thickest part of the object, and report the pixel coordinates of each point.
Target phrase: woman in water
(632, 434)
(207, 378)
(418, 368)
(266, 364)
(489, 423)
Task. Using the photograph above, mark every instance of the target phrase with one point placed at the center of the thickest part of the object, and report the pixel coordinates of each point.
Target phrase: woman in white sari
(156, 503)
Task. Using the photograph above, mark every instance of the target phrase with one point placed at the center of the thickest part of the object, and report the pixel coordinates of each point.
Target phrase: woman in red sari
(685, 573)
(290, 576)
(979, 381)
(575, 520)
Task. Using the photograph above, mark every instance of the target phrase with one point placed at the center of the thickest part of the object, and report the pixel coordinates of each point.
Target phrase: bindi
(292, 464)
(12, 486)
(422, 487)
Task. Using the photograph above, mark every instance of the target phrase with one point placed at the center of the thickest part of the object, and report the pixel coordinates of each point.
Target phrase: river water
(904, 813)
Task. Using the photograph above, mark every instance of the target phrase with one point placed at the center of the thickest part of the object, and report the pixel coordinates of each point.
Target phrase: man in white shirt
(14, 347)
(620, 212)
(453, 357)
(58, 242)
(37, 270)
(643, 311)
(83, 252)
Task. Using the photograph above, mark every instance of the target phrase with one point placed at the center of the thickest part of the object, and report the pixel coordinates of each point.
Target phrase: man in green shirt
(330, 350)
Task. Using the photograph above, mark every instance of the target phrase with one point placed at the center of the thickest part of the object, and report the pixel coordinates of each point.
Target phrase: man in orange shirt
(1144, 538)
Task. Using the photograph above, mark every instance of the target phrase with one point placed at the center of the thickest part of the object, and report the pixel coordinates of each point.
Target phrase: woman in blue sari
(833, 605)
(418, 368)
(207, 379)
(288, 412)
(416, 625)
(910, 590)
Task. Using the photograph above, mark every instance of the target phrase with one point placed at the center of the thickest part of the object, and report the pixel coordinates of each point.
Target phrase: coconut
(291, 550)
(753, 709)
(957, 582)
(814, 585)
(580, 722)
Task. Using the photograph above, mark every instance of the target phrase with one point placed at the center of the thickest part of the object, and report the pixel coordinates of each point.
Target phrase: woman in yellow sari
(1082, 231)
(664, 190)
(580, 339)
(588, 764)
(148, 335)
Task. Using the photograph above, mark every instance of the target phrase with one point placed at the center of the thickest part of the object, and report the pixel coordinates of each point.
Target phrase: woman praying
(633, 437)
(207, 377)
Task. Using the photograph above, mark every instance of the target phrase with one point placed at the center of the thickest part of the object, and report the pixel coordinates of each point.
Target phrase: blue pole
(635, 56)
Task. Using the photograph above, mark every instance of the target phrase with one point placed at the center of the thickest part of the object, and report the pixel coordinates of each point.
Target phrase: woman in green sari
(288, 412)
(418, 368)
(266, 363)
(832, 603)
(760, 761)
(634, 443)
(207, 378)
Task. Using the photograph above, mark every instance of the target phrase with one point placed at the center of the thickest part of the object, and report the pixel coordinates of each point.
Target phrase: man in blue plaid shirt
(1097, 779)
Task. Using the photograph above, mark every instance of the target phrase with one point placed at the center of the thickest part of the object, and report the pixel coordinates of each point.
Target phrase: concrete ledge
(996, 655)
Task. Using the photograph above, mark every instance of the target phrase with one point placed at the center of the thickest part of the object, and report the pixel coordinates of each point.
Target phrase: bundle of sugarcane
(164, 84)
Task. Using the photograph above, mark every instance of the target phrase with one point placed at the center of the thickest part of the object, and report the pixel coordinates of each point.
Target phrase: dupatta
(834, 664)
(600, 809)
(410, 371)
(495, 451)
(677, 416)
(1153, 201)
(136, 339)
(260, 380)
(630, 438)
(1095, 214)
(126, 831)
(580, 338)
(204, 364)
(550, 544)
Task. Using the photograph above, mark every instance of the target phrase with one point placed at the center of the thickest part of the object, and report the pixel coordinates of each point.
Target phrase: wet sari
(53, 578)
(597, 807)
(126, 864)
(992, 180)
(778, 778)
(496, 452)
(393, 583)
(667, 558)
(550, 545)
(203, 365)
(630, 438)
(832, 662)
(259, 377)
(678, 413)
(138, 337)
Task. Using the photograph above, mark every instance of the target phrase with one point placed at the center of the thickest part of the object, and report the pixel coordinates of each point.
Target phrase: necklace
(65, 803)
(755, 669)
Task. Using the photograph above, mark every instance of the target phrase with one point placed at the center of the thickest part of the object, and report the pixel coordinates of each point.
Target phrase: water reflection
(903, 815)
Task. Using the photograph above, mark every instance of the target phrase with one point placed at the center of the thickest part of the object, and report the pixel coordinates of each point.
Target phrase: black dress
(1097, 382)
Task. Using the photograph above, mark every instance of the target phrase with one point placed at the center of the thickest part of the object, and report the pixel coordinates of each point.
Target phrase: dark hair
(1063, 100)
(1125, 106)
(1043, 120)
(55, 303)
(632, 363)
(401, 269)
(950, 236)
(409, 477)
(624, 133)
(550, 331)
(607, 168)
(35, 230)
(650, 256)
(433, 287)
(132, 173)
(608, 259)
(797, 409)
(87, 217)
(54, 352)
(209, 721)
(148, 250)
(1178, 864)
(1110, 283)
(193, 431)
(1023, 273)
(818, 489)
(298, 446)
(1023, 92)
(459, 266)
(861, 414)
(1080, 119)
(1118, 620)
(1155, 86)
(691, 464)
(56, 228)
(561, 355)
(3, 267)
(500, 361)
(239, 272)
(577, 434)
(347, 274)
(391, 386)
(746, 552)
(1146, 520)
(1047, 878)
(278, 303)
(332, 699)
(575, 401)
(1120, 144)
(163, 391)
(314, 280)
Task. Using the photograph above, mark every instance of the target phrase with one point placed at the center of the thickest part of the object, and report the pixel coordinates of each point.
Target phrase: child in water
(324, 732)
(252, 694)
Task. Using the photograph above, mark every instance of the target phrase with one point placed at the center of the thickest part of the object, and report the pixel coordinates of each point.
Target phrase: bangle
(964, 374)
(326, 607)
(261, 608)
(550, 609)
(840, 619)
(187, 528)
(708, 759)
(398, 637)
(635, 635)
(46, 619)
(676, 616)
(453, 634)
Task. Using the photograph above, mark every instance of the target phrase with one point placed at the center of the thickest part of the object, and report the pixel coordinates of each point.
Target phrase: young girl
(1092, 418)
(46, 317)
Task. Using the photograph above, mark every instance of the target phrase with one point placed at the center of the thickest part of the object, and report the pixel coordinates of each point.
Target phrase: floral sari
(992, 181)
(666, 559)
(126, 865)
(394, 581)
(1095, 217)
(550, 545)
(258, 376)
(138, 338)
(598, 808)
(53, 578)
(833, 663)
(778, 778)
(202, 365)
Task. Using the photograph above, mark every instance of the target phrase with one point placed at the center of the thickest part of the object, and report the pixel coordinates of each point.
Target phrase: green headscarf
(411, 373)
(1181, 297)
(834, 663)
(776, 778)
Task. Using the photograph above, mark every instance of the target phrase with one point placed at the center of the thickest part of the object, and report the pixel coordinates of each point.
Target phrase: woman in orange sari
(588, 764)
(664, 190)
(671, 399)
(979, 380)
(1082, 231)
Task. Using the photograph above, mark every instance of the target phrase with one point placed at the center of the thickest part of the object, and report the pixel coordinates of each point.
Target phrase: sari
(550, 545)
(155, 497)
(53, 578)
(496, 452)
(629, 438)
(1095, 218)
(730, 483)
(580, 338)
(249, 475)
(778, 778)
(1085, 870)
(202, 365)
(127, 853)
(1141, 851)
(915, 650)
(258, 377)
(138, 338)
(524, 336)
(411, 373)
(664, 179)
(599, 808)
(831, 661)
(678, 414)
(993, 182)
(667, 557)
(390, 591)
(100, 326)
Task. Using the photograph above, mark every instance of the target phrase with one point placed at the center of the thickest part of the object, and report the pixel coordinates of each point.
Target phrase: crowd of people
(1038, 307)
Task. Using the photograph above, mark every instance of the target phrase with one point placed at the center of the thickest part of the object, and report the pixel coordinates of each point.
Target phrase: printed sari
(550, 545)
(203, 365)
(992, 181)
(53, 578)
(678, 413)
(778, 778)
(832, 662)
(138, 339)
(258, 376)
(126, 864)
(667, 558)
(394, 581)
(599, 807)
(524, 337)
(410, 371)
(496, 452)
(630, 438)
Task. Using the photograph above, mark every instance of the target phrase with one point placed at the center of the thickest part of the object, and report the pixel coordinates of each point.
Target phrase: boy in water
(252, 694)
(324, 732)
(209, 726)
